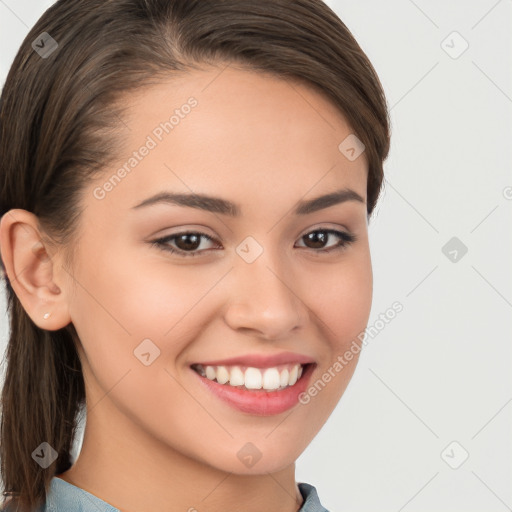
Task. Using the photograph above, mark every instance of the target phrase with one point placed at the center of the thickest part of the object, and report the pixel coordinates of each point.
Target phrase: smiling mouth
(275, 378)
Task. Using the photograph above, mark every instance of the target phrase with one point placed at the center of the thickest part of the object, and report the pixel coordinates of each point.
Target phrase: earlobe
(31, 270)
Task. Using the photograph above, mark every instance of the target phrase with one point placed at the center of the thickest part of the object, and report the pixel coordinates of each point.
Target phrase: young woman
(185, 192)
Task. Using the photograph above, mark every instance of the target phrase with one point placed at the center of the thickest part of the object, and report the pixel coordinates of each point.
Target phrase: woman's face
(262, 286)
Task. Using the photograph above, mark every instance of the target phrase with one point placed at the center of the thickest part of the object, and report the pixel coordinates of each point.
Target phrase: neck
(135, 472)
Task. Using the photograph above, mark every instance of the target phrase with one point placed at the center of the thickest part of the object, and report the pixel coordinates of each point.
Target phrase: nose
(263, 301)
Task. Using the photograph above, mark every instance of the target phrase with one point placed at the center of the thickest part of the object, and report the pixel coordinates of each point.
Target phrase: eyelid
(325, 226)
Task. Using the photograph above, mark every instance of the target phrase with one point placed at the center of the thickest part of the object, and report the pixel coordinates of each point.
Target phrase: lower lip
(259, 401)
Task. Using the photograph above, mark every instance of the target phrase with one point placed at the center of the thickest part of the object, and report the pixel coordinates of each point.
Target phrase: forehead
(230, 131)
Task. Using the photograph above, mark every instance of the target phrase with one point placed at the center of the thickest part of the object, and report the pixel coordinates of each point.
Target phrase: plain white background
(433, 386)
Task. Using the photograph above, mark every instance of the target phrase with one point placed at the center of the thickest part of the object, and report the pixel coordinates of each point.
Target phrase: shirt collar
(66, 497)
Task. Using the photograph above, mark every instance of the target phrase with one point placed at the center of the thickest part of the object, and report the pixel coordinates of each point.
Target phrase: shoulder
(66, 497)
(311, 499)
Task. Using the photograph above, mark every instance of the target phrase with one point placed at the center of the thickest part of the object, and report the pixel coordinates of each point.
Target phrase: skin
(154, 435)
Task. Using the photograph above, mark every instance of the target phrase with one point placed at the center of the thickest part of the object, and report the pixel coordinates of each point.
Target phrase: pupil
(318, 238)
(193, 245)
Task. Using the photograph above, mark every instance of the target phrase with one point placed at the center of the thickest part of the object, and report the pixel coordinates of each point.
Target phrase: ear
(36, 276)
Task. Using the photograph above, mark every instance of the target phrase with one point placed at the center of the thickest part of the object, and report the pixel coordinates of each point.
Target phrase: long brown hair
(58, 119)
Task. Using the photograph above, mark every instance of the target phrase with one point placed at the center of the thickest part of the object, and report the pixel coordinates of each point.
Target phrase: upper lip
(261, 360)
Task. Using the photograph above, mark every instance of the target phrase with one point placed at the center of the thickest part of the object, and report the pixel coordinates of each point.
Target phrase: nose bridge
(264, 298)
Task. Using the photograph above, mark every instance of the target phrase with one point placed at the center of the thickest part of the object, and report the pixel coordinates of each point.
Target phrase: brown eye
(318, 238)
(187, 243)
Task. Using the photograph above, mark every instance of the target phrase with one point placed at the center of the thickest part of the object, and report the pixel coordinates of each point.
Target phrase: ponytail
(41, 395)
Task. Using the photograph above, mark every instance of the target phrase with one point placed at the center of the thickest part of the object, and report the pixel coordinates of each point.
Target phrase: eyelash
(162, 243)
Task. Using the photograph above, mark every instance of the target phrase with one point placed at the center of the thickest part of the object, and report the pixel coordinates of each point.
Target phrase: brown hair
(58, 119)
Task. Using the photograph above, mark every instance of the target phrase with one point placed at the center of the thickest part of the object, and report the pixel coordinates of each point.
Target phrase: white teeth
(210, 372)
(253, 378)
(271, 379)
(293, 375)
(285, 376)
(222, 374)
(236, 377)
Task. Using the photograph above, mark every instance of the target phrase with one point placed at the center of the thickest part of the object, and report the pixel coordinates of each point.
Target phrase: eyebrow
(225, 207)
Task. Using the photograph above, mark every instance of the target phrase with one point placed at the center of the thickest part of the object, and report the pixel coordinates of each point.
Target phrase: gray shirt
(65, 497)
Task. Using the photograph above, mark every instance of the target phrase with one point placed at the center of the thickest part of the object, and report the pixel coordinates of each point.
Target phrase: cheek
(342, 298)
(123, 303)
(127, 318)
(138, 300)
